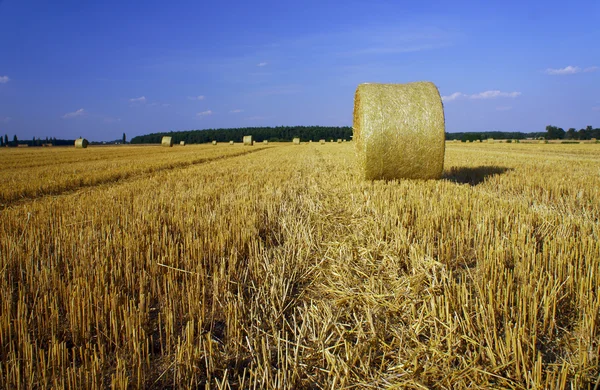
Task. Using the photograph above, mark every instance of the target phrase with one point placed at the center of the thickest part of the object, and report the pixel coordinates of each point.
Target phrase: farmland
(276, 266)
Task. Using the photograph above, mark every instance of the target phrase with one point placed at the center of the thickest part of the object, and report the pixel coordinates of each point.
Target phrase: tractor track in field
(117, 179)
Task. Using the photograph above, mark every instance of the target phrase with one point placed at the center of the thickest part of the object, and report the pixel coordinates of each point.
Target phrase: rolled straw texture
(167, 141)
(81, 143)
(399, 131)
(248, 140)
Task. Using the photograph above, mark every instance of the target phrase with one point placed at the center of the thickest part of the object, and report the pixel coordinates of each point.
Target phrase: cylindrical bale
(230, 142)
(248, 140)
(265, 142)
(214, 142)
(296, 141)
(167, 141)
(322, 142)
(81, 143)
(182, 143)
(399, 131)
(339, 141)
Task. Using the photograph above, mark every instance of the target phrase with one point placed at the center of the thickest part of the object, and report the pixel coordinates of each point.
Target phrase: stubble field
(276, 266)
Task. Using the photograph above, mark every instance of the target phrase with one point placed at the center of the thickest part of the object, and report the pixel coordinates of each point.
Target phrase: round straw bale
(322, 141)
(230, 142)
(339, 141)
(399, 130)
(182, 143)
(296, 141)
(167, 141)
(214, 142)
(265, 142)
(248, 140)
(81, 143)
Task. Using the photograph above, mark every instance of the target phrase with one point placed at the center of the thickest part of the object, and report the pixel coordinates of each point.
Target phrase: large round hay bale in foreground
(81, 143)
(399, 131)
(248, 140)
(167, 141)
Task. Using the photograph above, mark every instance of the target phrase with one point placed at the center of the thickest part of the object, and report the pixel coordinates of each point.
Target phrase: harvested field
(278, 267)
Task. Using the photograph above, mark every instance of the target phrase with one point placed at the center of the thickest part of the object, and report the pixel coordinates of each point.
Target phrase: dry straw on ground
(399, 130)
(248, 140)
(81, 143)
(167, 141)
(296, 141)
(182, 143)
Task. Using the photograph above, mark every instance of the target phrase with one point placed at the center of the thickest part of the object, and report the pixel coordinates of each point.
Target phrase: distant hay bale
(296, 141)
(339, 141)
(81, 143)
(399, 130)
(214, 142)
(344, 140)
(248, 140)
(330, 140)
(230, 142)
(266, 142)
(182, 143)
(167, 141)
(310, 141)
(322, 141)
(490, 140)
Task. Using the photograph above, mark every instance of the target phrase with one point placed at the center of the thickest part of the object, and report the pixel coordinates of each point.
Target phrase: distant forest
(305, 133)
(259, 134)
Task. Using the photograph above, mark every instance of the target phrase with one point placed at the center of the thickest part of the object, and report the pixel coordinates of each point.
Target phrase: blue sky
(98, 69)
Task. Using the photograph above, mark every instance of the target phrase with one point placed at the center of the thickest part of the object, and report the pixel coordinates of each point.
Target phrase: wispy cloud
(481, 95)
(503, 108)
(494, 94)
(454, 96)
(256, 118)
(570, 70)
(74, 114)
(141, 99)
(204, 113)
(4, 79)
(236, 111)
(596, 108)
(261, 64)
(199, 97)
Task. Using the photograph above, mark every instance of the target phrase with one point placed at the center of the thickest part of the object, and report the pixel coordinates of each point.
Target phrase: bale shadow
(473, 175)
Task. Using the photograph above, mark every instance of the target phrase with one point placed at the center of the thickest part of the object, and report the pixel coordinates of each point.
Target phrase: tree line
(259, 134)
(554, 132)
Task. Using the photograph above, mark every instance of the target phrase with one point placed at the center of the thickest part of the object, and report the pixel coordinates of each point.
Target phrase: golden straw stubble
(399, 131)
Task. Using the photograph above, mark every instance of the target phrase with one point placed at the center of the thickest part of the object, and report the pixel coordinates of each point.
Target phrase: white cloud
(503, 108)
(141, 99)
(481, 95)
(454, 96)
(199, 97)
(494, 94)
(74, 114)
(204, 113)
(261, 64)
(4, 79)
(571, 70)
(6, 119)
(236, 111)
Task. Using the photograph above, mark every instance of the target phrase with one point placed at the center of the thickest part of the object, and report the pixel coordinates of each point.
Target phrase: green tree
(571, 133)
(15, 140)
(554, 132)
(5, 139)
(124, 138)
